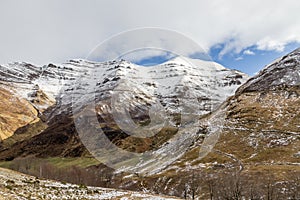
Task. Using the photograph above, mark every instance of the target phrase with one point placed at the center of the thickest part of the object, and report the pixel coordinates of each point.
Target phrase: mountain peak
(201, 64)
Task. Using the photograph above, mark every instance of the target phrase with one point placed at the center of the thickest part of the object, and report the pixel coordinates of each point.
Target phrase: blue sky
(250, 60)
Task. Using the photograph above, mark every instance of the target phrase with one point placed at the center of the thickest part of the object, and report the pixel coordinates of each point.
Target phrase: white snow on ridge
(180, 76)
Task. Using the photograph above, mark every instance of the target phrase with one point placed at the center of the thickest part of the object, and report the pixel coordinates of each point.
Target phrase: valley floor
(15, 185)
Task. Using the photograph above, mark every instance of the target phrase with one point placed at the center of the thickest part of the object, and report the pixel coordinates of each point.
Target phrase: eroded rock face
(15, 113)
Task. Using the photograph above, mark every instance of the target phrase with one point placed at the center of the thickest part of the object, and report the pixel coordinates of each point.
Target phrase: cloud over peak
(43, 31)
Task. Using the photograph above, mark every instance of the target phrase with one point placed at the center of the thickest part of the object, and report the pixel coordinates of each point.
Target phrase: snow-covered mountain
(207, 80)
(24, 77)
(202, 85)
(124, 93)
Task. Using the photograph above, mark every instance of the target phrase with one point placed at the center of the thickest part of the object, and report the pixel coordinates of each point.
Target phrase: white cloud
(239, 58)
(138, 44)
(54, 30)
(269, 44)
(248, 52)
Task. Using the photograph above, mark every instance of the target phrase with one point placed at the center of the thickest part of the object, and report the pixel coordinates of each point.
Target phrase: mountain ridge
(55, 83)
